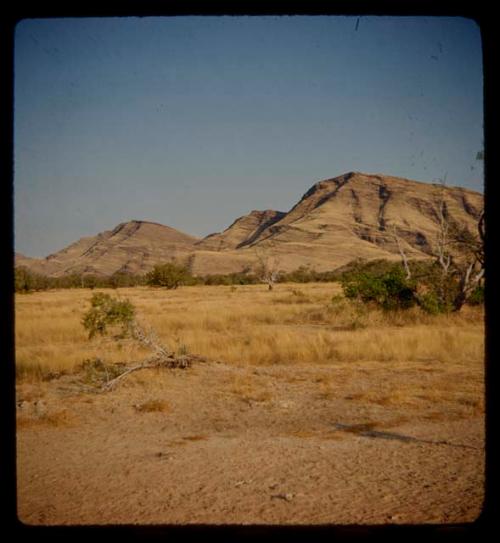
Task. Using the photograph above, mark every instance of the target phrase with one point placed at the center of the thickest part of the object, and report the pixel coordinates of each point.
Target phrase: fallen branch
(171, 362)
(162, 357)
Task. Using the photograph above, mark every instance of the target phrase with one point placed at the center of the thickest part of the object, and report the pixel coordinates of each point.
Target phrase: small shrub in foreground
(106, 311)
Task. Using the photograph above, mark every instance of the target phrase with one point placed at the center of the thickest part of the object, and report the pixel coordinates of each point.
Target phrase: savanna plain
(308, 409)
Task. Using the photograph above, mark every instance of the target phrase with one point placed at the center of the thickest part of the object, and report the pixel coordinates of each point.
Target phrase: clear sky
(194, 121)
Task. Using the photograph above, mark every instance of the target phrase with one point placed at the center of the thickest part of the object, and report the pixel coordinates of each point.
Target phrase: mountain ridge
(354, 215)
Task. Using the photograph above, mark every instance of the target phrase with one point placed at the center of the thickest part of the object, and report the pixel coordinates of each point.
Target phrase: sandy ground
(242, 445)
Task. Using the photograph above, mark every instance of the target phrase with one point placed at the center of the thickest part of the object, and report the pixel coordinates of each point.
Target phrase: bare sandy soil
(219, 444)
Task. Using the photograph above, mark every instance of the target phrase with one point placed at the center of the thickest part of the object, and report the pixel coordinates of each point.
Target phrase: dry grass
(407, 360)
(152, 405)
(248, 326)
(246, 388)
(52, 419)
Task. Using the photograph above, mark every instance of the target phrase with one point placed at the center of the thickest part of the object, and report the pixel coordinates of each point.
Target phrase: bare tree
(268, 265)
(458, 252)
(470, 265)
(442, 247)
(402, 253)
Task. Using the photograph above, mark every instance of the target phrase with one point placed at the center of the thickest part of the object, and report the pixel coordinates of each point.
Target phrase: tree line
(169, 275)
(377, 282)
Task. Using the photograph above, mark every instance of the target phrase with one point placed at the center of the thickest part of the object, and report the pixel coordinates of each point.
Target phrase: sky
(194, 121)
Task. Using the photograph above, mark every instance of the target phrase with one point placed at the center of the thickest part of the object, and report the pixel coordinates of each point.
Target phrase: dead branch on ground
(161, 358)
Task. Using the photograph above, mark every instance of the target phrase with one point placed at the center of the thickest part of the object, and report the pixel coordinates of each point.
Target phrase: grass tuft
(152, 406)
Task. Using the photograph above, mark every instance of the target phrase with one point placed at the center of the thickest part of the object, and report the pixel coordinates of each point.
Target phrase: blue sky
(194, 121)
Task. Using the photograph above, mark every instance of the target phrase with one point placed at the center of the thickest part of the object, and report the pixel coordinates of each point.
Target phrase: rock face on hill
(244, 231)
(355, 215)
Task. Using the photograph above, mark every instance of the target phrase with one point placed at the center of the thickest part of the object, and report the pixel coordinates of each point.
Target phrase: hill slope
(133, 247)
(354, 215)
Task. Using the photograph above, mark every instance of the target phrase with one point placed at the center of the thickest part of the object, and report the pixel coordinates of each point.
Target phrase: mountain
(355, 215)
(243, 231)
(133, 247)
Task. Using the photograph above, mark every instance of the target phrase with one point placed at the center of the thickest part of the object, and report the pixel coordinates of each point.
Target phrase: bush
(169, 275)
(235, 278)
(477, 296)
(431, 303)
(28, 281)
(304, 274)
(390, 290)
(123, 279)
(106, 311)
(97, 372)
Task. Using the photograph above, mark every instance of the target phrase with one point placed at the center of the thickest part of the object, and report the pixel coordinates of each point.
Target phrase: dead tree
(268, 266)
(458, 252)
(470, 265)
(161, 357)
(402, 253)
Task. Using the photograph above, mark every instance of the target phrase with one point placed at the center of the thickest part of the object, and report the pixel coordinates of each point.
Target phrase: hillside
(132, 247)
(354, 215)
(243, 231)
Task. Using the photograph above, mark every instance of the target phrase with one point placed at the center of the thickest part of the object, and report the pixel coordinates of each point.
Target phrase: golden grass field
(249, 325)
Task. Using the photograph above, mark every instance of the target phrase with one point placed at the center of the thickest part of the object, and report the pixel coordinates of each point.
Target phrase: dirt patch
(220, 444)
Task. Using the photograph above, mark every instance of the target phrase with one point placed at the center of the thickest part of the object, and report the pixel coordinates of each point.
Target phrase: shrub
(477, 296)
(390, 290)
(28, 281)
(169, 275)
(431, 303)
(122, 279)
(304, 274)
(97, 372)
(236, 278)
(106, 311)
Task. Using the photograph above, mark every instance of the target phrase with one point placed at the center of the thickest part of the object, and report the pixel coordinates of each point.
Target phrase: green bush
(477, 296)
(97, 372)
(304, 274)
(28, 281)
(431, 303)
(390, 290)
(236, 278)
(106, 311)
(169, 275)
(23, 280)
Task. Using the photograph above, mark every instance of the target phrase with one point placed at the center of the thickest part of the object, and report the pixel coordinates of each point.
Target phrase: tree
(470, 264)
(268, 265)
(168, 275)
(23, 279)
(28, 281)
(459, 261)
(459, 253)
(106, 311)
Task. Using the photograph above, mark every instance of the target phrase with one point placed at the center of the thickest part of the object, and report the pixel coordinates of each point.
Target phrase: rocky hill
(133, 247)
(355, 215)
(243, 231)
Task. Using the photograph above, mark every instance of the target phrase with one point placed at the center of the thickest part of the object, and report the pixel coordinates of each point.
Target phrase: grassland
(250, 326)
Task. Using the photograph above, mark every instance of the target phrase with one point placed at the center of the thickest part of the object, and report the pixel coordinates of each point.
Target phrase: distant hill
(132, 247)
(337, 220)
